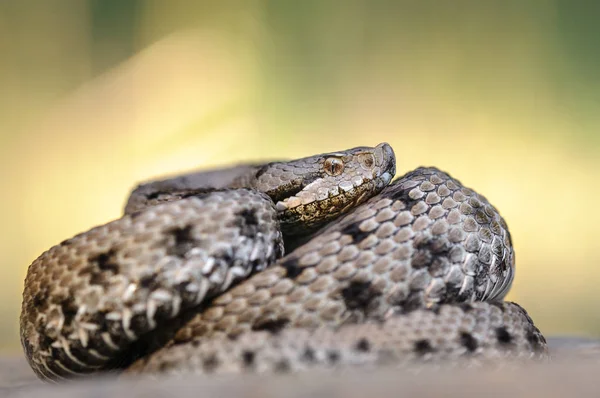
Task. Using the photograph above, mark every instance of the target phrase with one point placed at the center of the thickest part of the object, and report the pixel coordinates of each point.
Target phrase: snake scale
(193, 278)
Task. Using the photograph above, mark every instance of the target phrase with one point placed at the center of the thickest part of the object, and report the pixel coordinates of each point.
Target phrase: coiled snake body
(374, 273)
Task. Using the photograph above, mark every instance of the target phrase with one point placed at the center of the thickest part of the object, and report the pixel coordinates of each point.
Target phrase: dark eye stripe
(285, 191)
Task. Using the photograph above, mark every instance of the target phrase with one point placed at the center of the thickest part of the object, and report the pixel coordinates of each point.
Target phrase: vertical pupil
(333, 166)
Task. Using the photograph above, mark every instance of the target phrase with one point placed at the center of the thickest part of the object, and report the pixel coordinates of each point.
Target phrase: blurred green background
(98, 95)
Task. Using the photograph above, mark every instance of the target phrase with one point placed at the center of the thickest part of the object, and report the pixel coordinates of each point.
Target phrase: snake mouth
(284, 193)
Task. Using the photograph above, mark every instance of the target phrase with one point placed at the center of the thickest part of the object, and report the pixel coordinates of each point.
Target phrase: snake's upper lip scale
(387, 177)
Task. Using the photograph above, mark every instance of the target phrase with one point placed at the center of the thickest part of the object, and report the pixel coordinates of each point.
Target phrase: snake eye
(333, 166)
(367, 159)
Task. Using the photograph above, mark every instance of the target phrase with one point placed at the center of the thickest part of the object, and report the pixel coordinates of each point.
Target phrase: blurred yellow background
(98, 95)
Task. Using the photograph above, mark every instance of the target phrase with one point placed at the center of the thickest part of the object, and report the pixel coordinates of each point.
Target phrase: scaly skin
(379, 284)
(479, 332)
(425, 240)
(90, 301)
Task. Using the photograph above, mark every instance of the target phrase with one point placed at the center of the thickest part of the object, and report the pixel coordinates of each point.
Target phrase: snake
(322, 262)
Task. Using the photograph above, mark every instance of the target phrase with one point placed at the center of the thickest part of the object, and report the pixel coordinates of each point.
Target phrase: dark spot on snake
(136, 214)
(153, 195)
(468, 341)
(435, 309)
(503, 336)
(363, 345)
(163, 366)
(184, 241)
(452, 291)
(148, 281)
(66, 242)
(413, 302)
(69, 310)
(249, 216)
(247, 222)
(292, 269)
(423, 347)
(498, 305)
(282, 366)
(308, 355)
(355, 232)
(262, 170)
(44, 342)
(429, 250)
(40, 298)
(333, 357)
(115, 329)
(106, 261)
(96, 278)
(358, 295)
(100, 267)
(210, 363)
(248, 357)
(272, 326)
(196, 343)
(139, 323)
(466, 307)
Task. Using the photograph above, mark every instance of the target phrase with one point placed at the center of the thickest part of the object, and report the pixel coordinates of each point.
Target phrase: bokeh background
(98, 95)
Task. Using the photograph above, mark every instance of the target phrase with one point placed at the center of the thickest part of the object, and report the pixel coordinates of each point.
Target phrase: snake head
(312, 191)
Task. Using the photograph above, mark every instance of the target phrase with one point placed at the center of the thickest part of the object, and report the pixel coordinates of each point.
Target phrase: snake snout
(385, 159)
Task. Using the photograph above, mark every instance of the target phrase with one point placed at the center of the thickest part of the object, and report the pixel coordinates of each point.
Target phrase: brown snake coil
(411, 274)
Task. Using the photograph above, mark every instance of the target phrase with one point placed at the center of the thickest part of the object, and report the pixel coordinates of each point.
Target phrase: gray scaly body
(367, 281)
